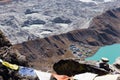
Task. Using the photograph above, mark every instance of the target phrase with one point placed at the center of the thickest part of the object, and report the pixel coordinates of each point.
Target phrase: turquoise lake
(111, 52)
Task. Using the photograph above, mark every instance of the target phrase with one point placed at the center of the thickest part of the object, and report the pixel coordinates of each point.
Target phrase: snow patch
(37, 30)
(63, 25)
(37, 16)
(108, 0)
(88, 1)
(33, 27)
(95, 1)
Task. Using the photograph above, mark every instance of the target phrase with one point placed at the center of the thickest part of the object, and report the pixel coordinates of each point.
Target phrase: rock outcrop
(10, 54)
(116, 65)
(3, 40)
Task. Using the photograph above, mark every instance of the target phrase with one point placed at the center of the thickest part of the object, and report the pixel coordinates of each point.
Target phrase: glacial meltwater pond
(111, 52)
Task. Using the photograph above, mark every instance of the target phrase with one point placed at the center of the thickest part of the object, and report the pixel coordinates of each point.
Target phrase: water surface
(111, 52)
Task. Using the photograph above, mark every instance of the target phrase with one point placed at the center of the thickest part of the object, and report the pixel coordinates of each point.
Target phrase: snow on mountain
(108, 0)
(23, 20)
(96, 1)
(87, 0)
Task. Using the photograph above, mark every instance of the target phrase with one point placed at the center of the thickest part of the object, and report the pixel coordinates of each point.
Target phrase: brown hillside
(103, 30)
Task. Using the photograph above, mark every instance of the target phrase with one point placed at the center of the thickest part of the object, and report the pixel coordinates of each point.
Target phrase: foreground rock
(10, 54)
(116, 65)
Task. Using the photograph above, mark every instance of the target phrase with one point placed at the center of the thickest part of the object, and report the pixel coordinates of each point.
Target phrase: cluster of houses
(81, 50)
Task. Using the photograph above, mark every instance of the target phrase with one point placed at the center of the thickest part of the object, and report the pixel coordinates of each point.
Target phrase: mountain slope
(104, 30)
